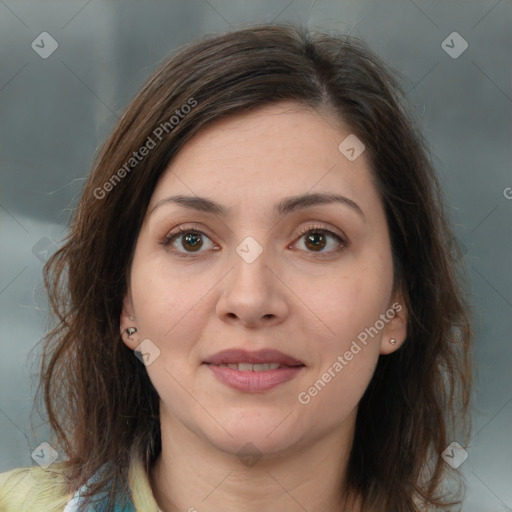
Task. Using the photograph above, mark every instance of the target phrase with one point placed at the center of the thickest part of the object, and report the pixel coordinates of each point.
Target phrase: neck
(193, 475)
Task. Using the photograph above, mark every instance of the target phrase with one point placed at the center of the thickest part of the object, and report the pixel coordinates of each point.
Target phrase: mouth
(253, 371)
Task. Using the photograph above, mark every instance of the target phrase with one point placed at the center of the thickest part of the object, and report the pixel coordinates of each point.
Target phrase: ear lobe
(395, 331)
(127, 324)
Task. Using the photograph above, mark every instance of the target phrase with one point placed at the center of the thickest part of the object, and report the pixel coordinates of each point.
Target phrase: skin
(306, 303)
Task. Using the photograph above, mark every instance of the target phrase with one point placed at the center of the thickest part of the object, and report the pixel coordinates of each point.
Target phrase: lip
(250, 381)
(257, 357)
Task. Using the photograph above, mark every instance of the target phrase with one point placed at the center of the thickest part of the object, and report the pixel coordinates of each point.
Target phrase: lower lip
(254, 382)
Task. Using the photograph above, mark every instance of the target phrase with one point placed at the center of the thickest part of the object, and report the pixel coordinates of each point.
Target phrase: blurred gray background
(56, 109)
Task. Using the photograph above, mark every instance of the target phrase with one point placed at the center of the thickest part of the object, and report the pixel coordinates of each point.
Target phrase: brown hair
(99, 399)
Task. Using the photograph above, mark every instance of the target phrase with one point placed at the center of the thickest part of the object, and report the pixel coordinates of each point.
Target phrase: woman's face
(260, 267)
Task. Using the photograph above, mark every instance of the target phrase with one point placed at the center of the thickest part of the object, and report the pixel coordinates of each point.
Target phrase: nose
(253, 294)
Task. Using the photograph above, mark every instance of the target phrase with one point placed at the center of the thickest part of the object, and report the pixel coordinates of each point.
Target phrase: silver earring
(392, 341)
(131, 330)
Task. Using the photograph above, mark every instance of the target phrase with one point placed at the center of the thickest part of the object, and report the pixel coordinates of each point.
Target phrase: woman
(265, 232)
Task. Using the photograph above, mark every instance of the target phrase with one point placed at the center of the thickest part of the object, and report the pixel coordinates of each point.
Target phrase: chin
(251, 437)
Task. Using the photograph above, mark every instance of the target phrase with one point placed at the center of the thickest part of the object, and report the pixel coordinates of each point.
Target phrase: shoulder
(33, 489)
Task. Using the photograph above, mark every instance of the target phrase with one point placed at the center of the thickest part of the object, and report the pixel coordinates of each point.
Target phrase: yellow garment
(34, 489)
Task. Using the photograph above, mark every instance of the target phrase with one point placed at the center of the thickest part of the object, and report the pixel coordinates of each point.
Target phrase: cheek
(172, 314)
(335, 394)
(347, 303)
(164, 301)
(345, 356)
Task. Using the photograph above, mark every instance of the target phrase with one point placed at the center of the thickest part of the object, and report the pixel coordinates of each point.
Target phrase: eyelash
(180, 231)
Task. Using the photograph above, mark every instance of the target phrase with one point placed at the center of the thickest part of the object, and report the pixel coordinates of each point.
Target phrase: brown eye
(315, 241)
(192, 241)
(320, 240)
(187, 241)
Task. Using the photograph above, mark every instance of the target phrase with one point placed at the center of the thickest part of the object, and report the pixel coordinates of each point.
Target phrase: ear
(396, 327)
(126, 321)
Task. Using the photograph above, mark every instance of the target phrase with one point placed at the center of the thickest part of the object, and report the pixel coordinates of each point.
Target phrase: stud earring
(131, 330)
(392, 341)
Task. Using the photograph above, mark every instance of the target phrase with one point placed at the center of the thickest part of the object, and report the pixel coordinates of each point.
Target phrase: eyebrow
(285, 206)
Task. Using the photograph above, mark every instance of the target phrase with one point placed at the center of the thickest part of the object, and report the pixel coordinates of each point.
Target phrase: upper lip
(256, 357)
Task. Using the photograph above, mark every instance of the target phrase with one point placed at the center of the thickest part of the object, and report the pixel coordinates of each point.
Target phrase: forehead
(277, 150)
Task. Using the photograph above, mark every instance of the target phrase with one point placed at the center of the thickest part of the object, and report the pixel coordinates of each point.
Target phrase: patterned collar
(101, 501)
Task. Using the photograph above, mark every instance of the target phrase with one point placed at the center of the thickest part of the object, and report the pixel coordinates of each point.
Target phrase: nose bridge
(251, 292)
(250, 272)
